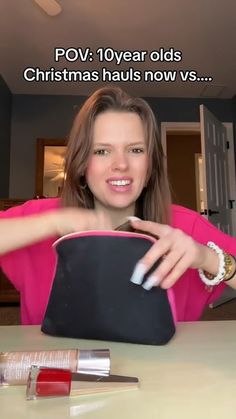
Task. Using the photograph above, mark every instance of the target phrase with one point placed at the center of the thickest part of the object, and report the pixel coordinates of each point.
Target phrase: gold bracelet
(230, 266)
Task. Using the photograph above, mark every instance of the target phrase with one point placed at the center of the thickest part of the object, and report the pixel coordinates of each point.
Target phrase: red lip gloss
(57, 382)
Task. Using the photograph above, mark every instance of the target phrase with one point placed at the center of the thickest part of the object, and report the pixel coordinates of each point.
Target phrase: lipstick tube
(57, 382)
(14, 366)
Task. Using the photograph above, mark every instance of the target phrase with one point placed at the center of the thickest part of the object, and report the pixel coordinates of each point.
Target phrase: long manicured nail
(138, 274)
(150, 282)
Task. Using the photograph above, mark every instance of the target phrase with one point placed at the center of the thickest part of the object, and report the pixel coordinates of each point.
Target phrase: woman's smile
(120, 185)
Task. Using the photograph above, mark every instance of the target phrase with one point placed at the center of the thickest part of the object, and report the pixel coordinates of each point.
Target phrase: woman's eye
(101, 152)
(137, 150)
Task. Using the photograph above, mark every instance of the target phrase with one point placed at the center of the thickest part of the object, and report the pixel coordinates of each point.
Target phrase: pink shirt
(31, 269)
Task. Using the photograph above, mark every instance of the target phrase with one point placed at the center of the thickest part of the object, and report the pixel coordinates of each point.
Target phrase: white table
(192, 377)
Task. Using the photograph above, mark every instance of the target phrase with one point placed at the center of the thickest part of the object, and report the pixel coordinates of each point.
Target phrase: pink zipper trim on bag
(171, 298)
(110, 233)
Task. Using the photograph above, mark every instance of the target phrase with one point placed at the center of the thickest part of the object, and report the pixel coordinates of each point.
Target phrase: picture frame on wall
(50, 173)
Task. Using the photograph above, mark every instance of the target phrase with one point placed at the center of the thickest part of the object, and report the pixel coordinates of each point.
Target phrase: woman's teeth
(120, 182)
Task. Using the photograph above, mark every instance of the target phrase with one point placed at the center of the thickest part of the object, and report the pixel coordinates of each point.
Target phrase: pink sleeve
(12, 212)
(8, 262)
(204, 231)
(13, 263)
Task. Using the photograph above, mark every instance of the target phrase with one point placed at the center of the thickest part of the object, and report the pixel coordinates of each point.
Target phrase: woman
(114, 170)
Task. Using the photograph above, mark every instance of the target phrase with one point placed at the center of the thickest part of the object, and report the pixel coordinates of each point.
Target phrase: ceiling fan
(54, 163)
(51, 7)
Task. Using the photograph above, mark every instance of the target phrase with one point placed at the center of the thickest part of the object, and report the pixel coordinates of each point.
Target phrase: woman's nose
(120, 161)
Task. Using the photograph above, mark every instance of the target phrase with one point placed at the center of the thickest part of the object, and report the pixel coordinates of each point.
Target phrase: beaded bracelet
(214, 280)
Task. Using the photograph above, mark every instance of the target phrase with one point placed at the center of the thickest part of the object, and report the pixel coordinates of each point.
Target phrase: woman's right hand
(71, 220)
(19, 232)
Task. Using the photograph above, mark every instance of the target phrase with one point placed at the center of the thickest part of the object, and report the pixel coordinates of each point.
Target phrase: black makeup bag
(92, 296)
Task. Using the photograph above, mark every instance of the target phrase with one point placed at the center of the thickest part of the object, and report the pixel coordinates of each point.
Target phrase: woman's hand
(179, 252)
(19, 232)
(71, 220)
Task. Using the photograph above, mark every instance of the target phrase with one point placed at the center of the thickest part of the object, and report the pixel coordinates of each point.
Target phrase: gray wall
(5, 136)
(187, 110)
(51, 117)
(36, 117)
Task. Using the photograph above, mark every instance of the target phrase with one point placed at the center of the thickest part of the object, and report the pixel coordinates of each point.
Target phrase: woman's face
(117, 168)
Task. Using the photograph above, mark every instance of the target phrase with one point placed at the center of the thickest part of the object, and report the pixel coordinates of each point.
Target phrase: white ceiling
(204, 30)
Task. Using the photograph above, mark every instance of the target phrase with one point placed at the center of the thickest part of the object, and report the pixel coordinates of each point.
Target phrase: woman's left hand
(178, 250)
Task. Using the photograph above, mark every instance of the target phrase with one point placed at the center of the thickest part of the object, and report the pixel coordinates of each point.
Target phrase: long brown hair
(154, 201)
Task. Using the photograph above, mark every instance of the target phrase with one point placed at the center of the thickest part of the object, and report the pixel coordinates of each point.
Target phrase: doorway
(184, 171)
(182, 128)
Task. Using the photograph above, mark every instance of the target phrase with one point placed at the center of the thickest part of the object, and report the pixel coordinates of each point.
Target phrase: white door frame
(194, 127)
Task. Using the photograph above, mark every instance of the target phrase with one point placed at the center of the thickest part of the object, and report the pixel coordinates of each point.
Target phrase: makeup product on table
(54, 382)
(14, 366)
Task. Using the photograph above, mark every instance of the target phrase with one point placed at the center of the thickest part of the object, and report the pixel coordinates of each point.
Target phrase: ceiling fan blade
(59, 176)
(51, 7)
(53, 170)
